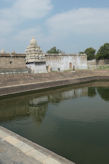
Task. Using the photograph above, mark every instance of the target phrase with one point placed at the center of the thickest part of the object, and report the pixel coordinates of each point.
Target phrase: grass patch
(101, 67)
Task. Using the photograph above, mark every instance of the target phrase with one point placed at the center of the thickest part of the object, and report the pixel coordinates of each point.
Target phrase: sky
(70, 25)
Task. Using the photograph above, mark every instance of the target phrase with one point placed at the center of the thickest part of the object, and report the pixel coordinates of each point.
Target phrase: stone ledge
(30, 149)
(22, 88)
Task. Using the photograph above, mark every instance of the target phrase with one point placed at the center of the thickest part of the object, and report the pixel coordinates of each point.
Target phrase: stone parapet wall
(98, 64)
(12, 61)
(102, 62)
(91, 62)
(14, 70)
(63, 54)
(53, 62)
(13, 55)
(66, 62)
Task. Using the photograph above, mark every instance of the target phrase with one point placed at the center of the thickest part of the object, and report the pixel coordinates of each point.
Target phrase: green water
(71, 121)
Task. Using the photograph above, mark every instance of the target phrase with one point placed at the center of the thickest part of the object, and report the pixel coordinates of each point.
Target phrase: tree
(90, 52)
(81, 52)
(103, 52)
(91, 92)
(104, 93)
(54, 50)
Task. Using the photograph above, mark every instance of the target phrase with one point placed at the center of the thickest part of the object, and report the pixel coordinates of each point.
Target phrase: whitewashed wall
(75, 93)
(37, 68)
(62, 62)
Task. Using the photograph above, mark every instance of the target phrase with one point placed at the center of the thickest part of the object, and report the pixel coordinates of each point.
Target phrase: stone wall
(51, 84)
(37, 67)
(102, 62)
(91, 64)
(53, 62)
(96, 64)
(66, 62)
(12, 61)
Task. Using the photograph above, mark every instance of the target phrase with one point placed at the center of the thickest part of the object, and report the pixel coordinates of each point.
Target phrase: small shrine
(35, 58)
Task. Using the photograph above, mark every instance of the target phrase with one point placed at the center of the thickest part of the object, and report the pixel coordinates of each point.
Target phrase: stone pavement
(15, 149)
(11, 155)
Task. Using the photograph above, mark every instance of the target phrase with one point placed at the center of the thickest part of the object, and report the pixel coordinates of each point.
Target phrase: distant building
(35, 61)
(39, 62)
(35, 58)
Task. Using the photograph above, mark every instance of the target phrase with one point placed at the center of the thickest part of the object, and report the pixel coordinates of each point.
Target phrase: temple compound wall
(35, 61)
(66, 62)
(12, 61)
(52, 62)
(37, 67)
(40, 62)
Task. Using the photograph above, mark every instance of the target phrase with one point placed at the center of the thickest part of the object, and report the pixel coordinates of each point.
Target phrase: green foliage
(103, 52)
(103, 67)
(81, 52)
(104, 93)
(54, 50)
(90, 52)
(91, 92)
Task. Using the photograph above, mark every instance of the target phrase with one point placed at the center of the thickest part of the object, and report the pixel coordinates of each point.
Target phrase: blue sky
(70, 25)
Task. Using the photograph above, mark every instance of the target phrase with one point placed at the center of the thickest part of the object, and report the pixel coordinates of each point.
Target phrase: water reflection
(11, 108)
(72, 122)
(37, 106)
(91, 92)
(38, 112)
(104, 93)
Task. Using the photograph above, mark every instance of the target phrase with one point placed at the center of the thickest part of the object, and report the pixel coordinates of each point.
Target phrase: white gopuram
(35, 58)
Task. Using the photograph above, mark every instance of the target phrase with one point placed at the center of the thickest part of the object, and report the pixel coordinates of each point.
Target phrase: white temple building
(39, 62)
(35, 58)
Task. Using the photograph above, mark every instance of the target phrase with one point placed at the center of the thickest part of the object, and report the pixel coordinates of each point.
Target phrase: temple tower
(35, 58)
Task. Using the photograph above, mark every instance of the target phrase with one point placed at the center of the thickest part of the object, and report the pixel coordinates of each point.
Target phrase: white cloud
(77, 29)
(5, 27)
(21, 39)
(24, 36)
(69, 30)
(82, 21)
(22, 10)
(27, 34)
(32, 8)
